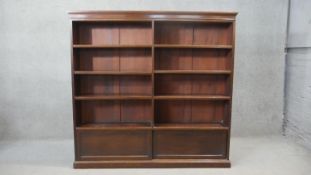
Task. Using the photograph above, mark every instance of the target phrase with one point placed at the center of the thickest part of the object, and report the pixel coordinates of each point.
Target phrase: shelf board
(113, 97)
(193, 46)
(90, 46)
(190, 126)
(193, 72)
(192, 97)
(115, 126)
(110, 73)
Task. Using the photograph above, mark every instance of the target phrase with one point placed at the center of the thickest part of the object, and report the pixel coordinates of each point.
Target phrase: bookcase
(151, 88)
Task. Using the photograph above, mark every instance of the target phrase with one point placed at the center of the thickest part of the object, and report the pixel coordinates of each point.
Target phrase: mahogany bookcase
(151, 88)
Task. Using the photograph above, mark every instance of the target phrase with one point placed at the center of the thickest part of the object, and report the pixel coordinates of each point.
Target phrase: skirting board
(155, 163)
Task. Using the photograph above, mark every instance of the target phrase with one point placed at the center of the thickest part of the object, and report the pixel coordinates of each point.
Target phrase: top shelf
(193, 46)
(156, 46)
(91, 46)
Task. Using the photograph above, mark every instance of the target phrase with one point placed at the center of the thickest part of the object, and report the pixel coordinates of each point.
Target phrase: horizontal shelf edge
(114, 128)
(194, 127)
(90, 46)
(181, 97)
(113, 97)
(110, 73)
(193, 46)
(192, 72)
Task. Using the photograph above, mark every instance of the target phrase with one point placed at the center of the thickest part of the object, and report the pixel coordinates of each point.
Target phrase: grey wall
(35, 93)
(298, 73)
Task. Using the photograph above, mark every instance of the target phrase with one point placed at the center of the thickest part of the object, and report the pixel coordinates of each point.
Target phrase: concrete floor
(249, 156)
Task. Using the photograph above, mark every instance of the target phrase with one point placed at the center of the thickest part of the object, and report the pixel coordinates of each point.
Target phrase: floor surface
(249, 156)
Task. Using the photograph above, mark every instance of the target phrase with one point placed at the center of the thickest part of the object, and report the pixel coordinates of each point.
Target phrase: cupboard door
(189, 144)
(114, 144)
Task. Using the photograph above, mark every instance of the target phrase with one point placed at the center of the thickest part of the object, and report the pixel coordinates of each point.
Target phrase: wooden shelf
(115, 126)
(113, 97)
(191, 97)
(192, 72)
(110, 73)
(190, 46)
(90, 46)
(189, 126)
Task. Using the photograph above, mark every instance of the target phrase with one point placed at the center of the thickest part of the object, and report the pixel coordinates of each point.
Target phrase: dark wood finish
(189, 144)
(190, 72)
(114, 59)
(191, 85)
(190, 126)
(152, 89)
(190, 111)
(113, 85)
(155, 163)
(114, 144)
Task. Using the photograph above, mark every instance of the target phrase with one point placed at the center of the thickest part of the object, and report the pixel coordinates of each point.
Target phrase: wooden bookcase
(152, 89)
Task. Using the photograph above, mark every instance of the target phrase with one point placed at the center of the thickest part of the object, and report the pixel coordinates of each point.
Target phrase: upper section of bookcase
(151, 15)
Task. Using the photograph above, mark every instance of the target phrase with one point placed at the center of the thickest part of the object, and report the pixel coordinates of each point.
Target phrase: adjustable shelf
(110, 73)
(113, 97)
(191, 97)
(190, 46)
(152, 89)
(90, 46)
(225, 72)
(115, 126)
(190, 126)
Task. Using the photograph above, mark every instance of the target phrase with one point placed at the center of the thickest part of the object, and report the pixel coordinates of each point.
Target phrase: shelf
(191, 97)
(115, 126)
(90, 46)
(113, 97)
(157, 46)
(189, 126)
(193, 72)
(190, 46)
(110, 73)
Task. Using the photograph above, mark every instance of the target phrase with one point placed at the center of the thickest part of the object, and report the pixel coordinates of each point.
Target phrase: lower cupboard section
(141, 144)
(114, 144)
(192, 144)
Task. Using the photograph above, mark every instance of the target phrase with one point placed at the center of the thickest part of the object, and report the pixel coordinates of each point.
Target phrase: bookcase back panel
(173, 59)
(114, 85)
(191, 85)
(193, 33)
(109, 33)
(114, 60)
(92, 112)
(173, 33)
(135, 60)
(212, 33)
(192, 59)
(98, 112)
(97, 59)
(190, 111)
(139, 33)
(136, 111)
(209, 59)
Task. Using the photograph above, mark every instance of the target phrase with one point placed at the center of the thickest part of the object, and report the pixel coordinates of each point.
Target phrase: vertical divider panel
(119, 55)
(191, 79)
(74, 38)
(152, 70)
(231, 33)
(153, 86)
